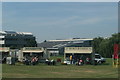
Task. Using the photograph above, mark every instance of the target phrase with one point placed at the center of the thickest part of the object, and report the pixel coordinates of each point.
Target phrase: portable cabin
(4, 52)
(29, 52)
(78, 52)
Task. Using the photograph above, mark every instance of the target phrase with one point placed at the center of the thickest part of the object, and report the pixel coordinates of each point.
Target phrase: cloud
(60, 21)
(96, 20)
(64, 22)
(90, 21)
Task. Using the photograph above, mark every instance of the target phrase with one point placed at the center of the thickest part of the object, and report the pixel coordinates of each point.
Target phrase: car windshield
(97, 56)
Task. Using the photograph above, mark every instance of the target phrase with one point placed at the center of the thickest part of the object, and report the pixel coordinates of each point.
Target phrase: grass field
(60, 71)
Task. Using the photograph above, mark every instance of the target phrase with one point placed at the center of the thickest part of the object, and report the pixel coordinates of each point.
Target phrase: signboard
(116, 48)
(33, 49)
(53, 51)
(4, 49)
(78, 50)
(115, 55)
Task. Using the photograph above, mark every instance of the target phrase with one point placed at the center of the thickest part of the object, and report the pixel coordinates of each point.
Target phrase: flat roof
(14, 32)
(69, 40)
(32, 51)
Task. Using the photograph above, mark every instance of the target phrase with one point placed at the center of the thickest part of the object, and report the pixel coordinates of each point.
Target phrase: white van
(99, 58)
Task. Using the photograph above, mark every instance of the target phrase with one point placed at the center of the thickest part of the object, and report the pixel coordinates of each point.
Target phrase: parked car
(66, 62)
(99, 59)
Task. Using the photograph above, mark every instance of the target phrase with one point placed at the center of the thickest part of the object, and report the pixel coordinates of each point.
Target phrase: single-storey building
(78, 52)
(4, 51)
(53, 51)
(28, 52)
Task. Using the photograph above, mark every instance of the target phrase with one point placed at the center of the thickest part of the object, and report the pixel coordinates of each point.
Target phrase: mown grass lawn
(60, 71)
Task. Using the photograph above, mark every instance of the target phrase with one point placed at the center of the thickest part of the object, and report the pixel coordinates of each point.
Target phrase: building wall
(18, 40)
(78, 50)
(60, 44)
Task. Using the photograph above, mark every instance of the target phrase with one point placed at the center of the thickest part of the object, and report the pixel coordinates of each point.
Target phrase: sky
(61, 20)
(0, 15)
(60, 0)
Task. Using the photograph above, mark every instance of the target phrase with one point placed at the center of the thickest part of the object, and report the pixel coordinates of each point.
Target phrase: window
(97, 56)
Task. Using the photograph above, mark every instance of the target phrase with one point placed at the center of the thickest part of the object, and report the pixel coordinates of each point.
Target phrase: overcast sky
(61, 20)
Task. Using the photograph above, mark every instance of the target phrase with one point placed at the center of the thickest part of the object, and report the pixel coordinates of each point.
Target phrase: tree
(31, 43)
(96, 43)
(104, 46)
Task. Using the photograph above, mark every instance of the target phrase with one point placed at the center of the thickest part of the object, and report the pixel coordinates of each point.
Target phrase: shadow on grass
(106, 64)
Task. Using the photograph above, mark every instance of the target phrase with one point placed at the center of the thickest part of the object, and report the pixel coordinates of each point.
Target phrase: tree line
(105, 46)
